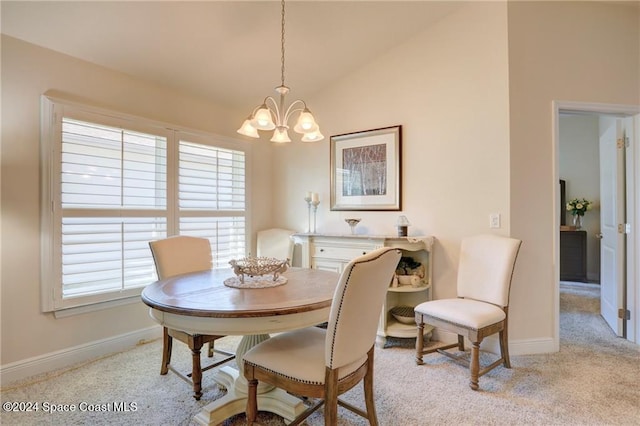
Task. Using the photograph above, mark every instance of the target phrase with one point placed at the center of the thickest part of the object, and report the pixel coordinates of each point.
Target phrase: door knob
(599, 236)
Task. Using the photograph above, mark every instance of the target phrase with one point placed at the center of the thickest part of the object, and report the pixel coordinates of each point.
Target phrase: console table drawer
(341, 253)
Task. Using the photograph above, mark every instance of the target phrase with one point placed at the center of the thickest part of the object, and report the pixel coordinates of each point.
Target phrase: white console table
(332, 252)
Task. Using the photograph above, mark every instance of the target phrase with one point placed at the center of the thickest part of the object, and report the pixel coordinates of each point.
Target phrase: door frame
(633, 243)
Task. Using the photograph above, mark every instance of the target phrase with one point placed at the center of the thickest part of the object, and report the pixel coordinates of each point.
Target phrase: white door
(632, 138)
(612, 210)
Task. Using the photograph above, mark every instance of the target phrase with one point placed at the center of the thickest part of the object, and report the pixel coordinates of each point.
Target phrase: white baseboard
(532, 346)
(516, 347)
(23, 369)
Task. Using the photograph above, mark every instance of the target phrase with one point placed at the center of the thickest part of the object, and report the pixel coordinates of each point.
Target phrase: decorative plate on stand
(257, 272)
(255, 282)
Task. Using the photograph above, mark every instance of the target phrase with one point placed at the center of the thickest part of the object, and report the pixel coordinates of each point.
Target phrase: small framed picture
(366, 170)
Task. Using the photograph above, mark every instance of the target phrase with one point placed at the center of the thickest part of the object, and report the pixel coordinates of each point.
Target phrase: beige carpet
(593, 380)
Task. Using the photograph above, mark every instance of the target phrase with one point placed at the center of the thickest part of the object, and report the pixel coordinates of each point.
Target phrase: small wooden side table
(573, 256)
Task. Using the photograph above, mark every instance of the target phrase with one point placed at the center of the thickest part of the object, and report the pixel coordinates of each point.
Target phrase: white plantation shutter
(211, 198)
(106, 167)
(227, 236)
(117, 183)
(113, 186)
(211, 178)
(101, 254)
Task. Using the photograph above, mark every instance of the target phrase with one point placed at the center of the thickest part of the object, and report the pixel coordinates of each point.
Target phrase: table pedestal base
(235, 401)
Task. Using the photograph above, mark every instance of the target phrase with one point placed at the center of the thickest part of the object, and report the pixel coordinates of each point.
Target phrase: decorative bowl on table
(404, 314)
(258, 266)
(352, 224)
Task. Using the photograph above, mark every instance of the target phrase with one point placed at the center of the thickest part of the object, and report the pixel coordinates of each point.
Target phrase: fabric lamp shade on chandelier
(272, 115)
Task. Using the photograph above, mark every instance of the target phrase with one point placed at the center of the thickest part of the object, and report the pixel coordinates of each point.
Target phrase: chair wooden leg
(331, 398)
(196, 369)
(210, 351)
(167, 345)
(460, 342)
(368, 391)
(420, 343)
(252, 401)
(474, 365)
(504, 348)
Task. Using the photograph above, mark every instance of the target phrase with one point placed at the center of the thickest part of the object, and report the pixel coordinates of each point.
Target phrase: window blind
(106, 167)
(212, 183)
(112, 189)
(211, 178)
(114, 192)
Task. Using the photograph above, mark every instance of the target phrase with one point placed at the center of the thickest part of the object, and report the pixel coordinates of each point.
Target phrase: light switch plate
(494, 220)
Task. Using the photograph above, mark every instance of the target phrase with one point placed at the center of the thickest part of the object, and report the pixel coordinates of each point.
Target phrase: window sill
(79, 310)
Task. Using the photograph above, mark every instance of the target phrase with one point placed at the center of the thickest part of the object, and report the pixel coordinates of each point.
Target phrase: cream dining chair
(175, 256)
(319, 363)
(275, 242)
(485, 271)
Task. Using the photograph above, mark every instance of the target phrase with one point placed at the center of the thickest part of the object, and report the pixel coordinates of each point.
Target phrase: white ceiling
(228, 51)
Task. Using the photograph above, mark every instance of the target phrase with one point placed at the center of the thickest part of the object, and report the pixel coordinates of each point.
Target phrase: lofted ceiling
(227, 51)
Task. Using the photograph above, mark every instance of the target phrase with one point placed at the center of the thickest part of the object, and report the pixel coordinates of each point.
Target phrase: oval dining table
(200, 302)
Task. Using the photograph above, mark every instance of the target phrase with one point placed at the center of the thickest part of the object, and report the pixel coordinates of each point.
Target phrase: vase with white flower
(578, 207)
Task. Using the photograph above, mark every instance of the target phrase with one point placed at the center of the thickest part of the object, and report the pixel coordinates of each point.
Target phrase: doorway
(587, 186)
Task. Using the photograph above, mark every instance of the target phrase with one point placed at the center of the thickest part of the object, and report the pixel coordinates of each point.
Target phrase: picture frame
(366, 170)
(563, 202)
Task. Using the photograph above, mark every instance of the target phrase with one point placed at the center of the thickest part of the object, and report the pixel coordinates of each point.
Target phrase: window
(116, 182)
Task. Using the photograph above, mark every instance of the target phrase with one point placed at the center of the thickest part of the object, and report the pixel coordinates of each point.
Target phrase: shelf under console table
(332, 252)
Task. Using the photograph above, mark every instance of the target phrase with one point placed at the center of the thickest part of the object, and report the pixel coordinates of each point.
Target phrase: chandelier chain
(272, 115)
(282, 46)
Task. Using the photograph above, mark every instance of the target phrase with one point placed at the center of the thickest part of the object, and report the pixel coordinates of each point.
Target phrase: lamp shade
(276, 116)
(280, 135)
(248, 130)
(403, 221)
(306, 123)
(262, 119)
(312, 136)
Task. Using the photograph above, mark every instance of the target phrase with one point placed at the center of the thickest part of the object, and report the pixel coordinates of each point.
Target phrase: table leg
(234, 402)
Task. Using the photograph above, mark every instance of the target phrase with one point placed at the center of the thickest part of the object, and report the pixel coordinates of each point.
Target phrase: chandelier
(272, 115)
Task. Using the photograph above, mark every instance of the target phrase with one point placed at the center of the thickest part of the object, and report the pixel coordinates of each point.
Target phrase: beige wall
(472, 145)
(448, 88)
(562, 51)
(27, 72)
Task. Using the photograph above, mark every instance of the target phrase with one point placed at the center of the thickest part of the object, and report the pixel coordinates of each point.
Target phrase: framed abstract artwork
(366, 170)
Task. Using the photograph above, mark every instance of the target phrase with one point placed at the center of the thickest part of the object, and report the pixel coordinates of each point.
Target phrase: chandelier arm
(279, 116)
(253, 113)
(274, 109)
(291, 109)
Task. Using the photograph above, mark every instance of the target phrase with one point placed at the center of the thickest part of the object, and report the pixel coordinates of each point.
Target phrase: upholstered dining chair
(481, 309)
(319, 363)
(275, 242)
(175, 256)
(485, 271)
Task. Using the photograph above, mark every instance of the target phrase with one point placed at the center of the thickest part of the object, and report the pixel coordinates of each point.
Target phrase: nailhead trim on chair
(331, 387)
(306, 382)
(333, 337)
